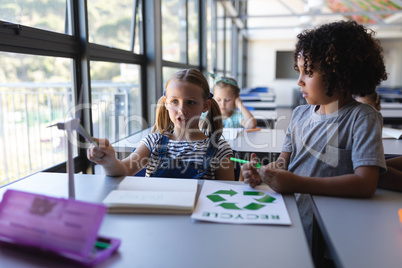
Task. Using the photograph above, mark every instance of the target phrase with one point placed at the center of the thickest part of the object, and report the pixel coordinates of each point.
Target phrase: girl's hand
(249, 172)
(281, 181)
(238, 103)
(102, 154)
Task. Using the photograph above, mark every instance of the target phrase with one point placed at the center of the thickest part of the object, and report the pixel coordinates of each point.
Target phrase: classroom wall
(261, 68)
(393, 62)
(262, 61)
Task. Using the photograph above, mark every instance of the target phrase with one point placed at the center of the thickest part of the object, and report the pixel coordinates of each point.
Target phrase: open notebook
(391, 133)
(153, 195)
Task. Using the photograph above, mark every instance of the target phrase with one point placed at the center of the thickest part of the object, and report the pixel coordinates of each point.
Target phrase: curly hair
(347, 55)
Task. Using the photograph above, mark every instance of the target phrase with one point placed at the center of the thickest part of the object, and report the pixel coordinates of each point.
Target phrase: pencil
(243, 161)
(253, 129)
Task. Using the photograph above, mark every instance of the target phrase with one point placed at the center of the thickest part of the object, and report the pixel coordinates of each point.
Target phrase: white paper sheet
(240, 204)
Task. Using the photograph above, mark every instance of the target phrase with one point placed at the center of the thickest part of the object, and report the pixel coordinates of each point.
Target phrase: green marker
(244, 161)
(101, 245)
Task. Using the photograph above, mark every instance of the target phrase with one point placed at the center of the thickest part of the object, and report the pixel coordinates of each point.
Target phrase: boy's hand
(102, 154)
(249, 172)
(281, 181)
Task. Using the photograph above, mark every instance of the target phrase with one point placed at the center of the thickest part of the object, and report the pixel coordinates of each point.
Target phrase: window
(111, 23)
(210, 44)
(116, 99)
(174, 25)
(180, 32)
(193, 34)
(220, 42)
(35, 92)
(228, 46)
(240, 61)
(137, 44)
(41, 14)
(228, 50)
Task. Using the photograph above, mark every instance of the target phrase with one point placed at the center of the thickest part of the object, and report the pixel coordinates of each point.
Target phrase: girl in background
(234, 113)
(177, 147)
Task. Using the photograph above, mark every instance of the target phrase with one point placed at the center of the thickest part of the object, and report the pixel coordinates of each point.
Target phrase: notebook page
(158, 184)
(391, 133)
(147, 199)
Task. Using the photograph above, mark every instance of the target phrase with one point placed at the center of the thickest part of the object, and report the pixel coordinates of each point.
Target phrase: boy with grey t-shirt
(332, 145)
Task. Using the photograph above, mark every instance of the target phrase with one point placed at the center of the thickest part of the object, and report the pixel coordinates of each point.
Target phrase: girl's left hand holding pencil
(102, 154)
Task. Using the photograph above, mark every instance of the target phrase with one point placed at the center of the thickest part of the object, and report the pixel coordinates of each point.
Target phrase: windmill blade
(53, 125)
(60, 125)
(86, 135)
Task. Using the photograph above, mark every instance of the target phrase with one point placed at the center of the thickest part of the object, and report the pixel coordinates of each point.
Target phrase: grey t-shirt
(332, 145)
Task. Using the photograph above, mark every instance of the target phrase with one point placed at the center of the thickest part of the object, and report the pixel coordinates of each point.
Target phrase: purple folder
(63, 226)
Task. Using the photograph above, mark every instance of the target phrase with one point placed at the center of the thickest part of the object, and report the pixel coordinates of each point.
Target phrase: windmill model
(69, 126)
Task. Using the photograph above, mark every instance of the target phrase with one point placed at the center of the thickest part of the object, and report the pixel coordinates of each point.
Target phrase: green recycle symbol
(216, 197)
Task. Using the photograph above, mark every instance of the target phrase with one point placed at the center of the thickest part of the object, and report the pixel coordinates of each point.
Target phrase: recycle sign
(255, 204)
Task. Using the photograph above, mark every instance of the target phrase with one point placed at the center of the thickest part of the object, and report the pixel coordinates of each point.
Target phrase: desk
(264, 114)
(260, 105)
(392, 146)
(171, 240)
(265, 118)
(391, 112)
(263, 141)
(362, 232)
(391, 96)
(391, 105)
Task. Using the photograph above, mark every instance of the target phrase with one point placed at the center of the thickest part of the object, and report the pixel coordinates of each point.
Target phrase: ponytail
(163, 123)
(212, 124)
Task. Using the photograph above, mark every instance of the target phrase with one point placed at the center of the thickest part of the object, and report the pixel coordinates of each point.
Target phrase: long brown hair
(211, 125)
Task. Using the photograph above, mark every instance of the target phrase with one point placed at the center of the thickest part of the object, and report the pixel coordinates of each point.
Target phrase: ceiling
(282, 19)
